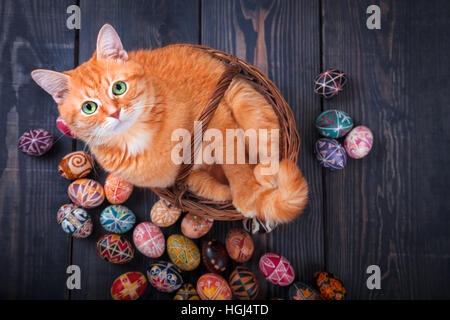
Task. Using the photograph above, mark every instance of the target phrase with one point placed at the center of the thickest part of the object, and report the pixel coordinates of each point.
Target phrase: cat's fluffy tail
(287, 196)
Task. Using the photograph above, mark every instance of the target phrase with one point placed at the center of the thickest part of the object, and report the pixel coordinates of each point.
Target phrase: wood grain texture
(390, 209)
(141, 25)
(281, 38)
(32, 35)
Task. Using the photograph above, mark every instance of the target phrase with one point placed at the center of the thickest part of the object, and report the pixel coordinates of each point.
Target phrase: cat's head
(103, 98)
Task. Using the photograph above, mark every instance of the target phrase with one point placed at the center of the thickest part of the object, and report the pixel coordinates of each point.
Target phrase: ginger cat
(125, 107)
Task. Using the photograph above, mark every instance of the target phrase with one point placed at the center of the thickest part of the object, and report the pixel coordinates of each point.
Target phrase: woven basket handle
(233, 69)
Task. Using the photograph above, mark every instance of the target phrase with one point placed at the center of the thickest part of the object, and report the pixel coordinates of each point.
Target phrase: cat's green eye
(89, 107)
(119, 88)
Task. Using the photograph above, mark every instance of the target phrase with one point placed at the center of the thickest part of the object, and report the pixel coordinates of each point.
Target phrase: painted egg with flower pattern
(117, 218)
(86, 193)
(358, 142)
(164, 214)
(64, 128)
(276, 269)
(186, 292)
(301, 291)
(334, 123)
(164, 276)
(215, 257)
(149, 239)
(75, 221)
(211, 286)
(244, 283)
(117, 190)
(194, 226)
(128, 286)
(239, 245)
(183, 252)
(115, 249)
(331, 154)
(329, 285)
(35, 142)
(75, 165)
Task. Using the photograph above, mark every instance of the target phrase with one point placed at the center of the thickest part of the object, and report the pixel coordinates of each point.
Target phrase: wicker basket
(178, 195)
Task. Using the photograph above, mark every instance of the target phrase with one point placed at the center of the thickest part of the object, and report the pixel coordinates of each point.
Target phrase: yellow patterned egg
(183, 252)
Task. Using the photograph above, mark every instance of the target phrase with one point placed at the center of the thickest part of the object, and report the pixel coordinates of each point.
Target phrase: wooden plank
(147, 25)
(32, 35)
(391, 208)
(281, 38)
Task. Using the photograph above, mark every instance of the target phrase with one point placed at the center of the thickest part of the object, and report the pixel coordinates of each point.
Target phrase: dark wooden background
(390, 209)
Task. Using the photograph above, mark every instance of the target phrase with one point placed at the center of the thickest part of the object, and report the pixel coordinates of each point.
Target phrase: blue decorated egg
(334, 123)
(75, 221)
(330, 153)
(117, 219)
(164, 276)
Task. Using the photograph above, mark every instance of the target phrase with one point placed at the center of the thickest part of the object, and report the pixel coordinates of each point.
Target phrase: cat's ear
(109, 45)
(55, 83)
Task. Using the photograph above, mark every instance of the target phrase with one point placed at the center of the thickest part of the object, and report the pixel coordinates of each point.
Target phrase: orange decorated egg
(75, 165)
(128, 286)
(115, 249)
(194, 226)
(211, 286)
(239, 245)
(86, 193)
(117, 190)
(329, 285)
(244, 283)
(164, 214)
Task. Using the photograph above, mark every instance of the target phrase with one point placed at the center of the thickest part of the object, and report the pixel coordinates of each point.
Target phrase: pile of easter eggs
(335, 125)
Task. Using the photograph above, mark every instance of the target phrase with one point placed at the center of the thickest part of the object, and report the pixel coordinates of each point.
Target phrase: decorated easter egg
(276, 269)
(149, 239)
(62, 126)
(239, 245)
(194, 226)
(86, 193)
(331, 154)
(334, 123)
(117, 190)
(244, 283)
(211, 286)
(164, 276)
(75, 165)
(329, 83)
(128, 286)
(115, 249)
(358, 142)
(183, 252)
(117, 219)
(214, 255)
(35, 142)
(301, 291)
(164, 214)
(75, 221)
(186, 292)
(329, 285)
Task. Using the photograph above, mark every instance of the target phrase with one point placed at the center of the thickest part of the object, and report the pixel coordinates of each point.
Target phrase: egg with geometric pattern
(128, 286)
(149, 239)
(164, 214)
(276, 269)
(301, 291)
(186, 292)
(117, 218)
(330, 154)
(211, 286)
(244, 283)
(75, 221)
(117, 190)
(183, 252)
(239, 245)
(86, 193)
(334, 123)
(164, 276)
(35, 142)
(115, 249)
(358, 142)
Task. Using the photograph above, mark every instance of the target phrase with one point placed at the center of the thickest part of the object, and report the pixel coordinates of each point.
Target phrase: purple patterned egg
(35, 142)
(86, 193)
(330, 153)
(329, 83)
(358, 142)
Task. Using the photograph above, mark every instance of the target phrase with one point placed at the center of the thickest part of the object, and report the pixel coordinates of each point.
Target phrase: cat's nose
(115, 114)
